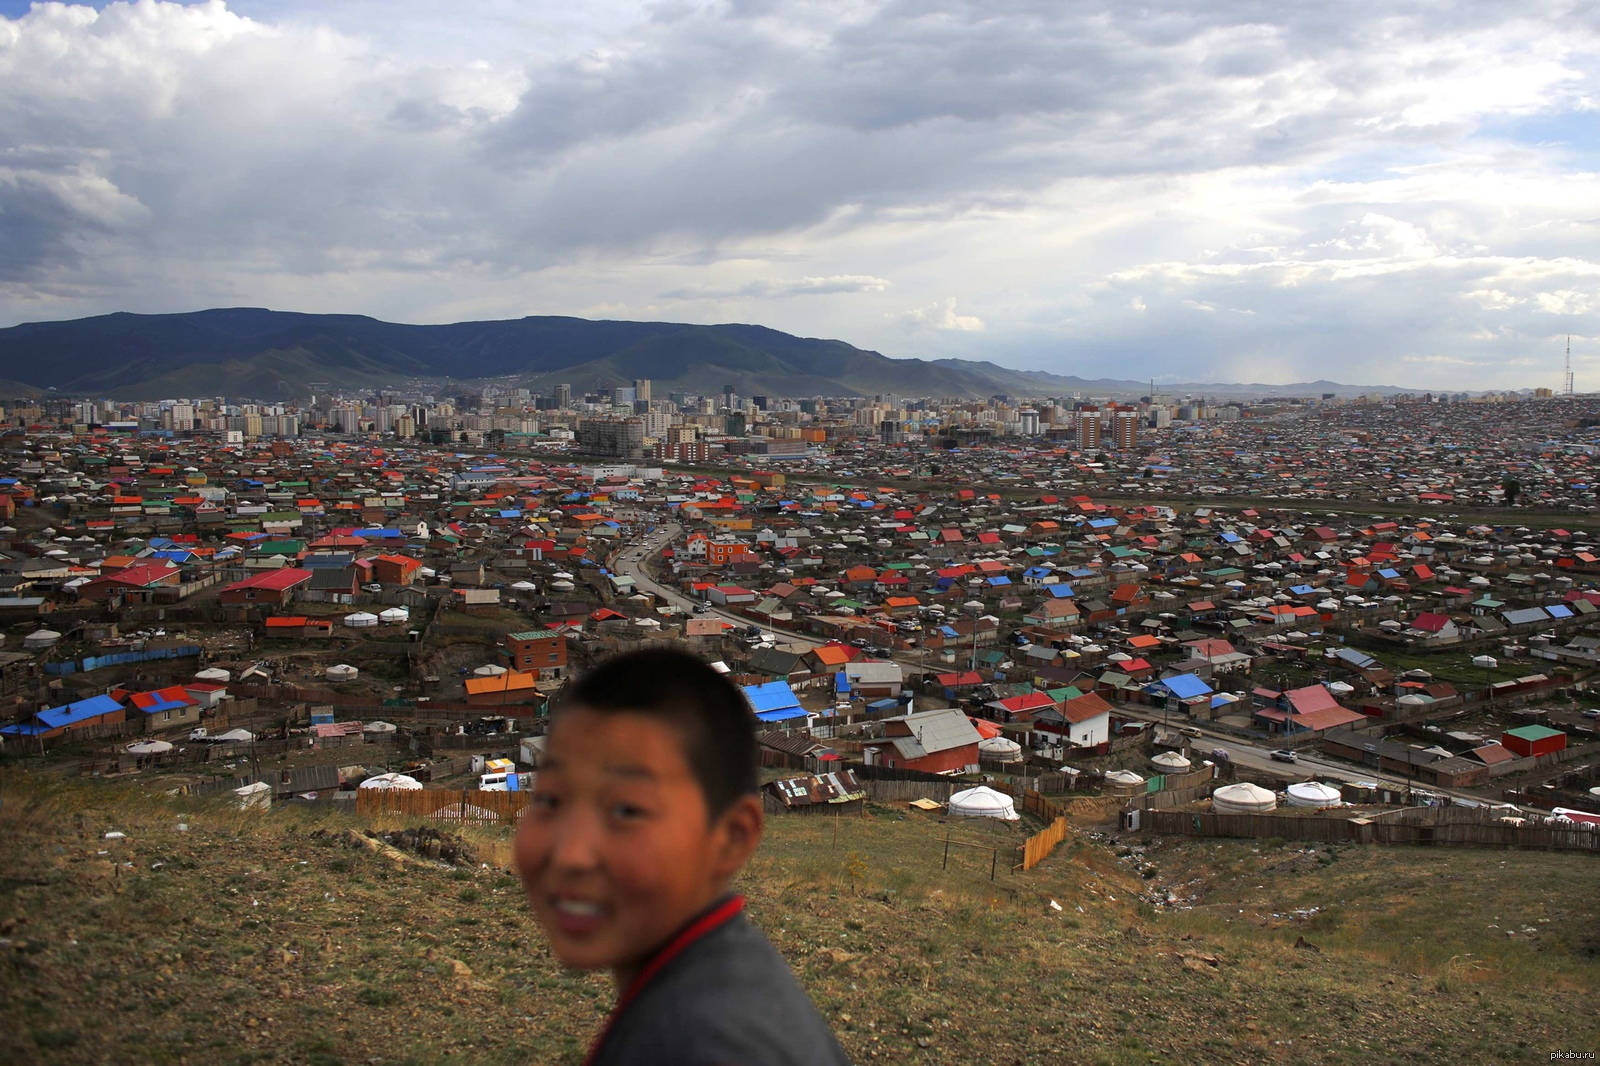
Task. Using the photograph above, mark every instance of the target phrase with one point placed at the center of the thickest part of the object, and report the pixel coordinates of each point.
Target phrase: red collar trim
(717, 916)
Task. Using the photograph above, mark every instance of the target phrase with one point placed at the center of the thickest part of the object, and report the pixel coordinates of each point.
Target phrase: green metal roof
(1534, 732)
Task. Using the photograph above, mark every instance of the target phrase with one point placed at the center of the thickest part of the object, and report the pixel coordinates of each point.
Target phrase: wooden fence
(905, 791)
(1038, 847)
(465, 807)
(1411, 825)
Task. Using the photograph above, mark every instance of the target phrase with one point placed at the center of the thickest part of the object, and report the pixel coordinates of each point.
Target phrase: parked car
(1191, 731)
(1592, 714)
(701, 608)
(1284, 755)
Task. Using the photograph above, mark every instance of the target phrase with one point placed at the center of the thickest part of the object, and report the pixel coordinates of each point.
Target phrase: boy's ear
(739, 830)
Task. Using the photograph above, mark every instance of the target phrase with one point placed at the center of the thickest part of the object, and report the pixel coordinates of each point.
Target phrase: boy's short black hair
(710, 712)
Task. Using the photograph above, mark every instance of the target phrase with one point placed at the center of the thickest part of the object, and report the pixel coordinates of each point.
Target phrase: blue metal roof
(773, 701)
(82, 711)
(1183, 686)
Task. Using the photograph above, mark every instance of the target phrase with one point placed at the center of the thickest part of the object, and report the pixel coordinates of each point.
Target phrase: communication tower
(1566, 378)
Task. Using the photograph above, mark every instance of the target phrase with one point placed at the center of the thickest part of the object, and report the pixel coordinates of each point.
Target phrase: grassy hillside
(267, 937)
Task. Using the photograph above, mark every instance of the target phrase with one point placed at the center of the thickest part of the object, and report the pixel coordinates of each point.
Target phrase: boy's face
(617, 850)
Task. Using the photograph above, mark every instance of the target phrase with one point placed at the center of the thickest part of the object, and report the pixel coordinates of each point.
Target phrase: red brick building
(541, 654)
(395, 569)
(936, 742)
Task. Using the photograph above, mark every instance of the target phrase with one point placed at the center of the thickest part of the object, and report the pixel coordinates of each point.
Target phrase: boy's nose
(575, 847)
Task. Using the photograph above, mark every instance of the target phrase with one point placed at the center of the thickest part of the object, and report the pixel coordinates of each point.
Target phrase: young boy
(646, 807)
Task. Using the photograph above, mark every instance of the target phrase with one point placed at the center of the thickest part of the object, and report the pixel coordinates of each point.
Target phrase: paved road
(1257, 756)
(630, 561)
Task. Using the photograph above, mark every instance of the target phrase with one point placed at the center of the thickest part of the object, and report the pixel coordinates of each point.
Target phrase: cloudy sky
(1395, 192)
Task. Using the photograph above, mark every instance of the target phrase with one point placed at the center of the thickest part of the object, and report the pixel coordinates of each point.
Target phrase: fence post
(946, 864)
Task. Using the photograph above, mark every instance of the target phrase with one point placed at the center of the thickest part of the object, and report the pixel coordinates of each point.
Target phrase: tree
(1512, 488)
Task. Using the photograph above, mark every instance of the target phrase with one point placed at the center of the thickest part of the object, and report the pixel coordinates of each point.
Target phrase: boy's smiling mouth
(576, 916)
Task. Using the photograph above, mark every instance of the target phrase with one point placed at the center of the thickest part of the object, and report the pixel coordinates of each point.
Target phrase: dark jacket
(717, 995)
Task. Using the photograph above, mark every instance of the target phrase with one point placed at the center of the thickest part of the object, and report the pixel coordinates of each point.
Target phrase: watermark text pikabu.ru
(1570, 1056)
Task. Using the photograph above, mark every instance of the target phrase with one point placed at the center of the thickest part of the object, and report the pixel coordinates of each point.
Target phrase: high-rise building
(1125, 427)
(641, 389)
(1028, 419)
(616, 438)
(1090, 428)
(347, 419)
(179, 418)
(563, 396)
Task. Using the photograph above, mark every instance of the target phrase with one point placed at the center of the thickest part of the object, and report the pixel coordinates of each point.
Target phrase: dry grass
(254, 938)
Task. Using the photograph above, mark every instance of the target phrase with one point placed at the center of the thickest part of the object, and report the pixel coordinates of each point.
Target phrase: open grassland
(267, 937)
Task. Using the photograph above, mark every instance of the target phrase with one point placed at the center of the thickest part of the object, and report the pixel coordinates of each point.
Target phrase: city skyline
(1388, 196)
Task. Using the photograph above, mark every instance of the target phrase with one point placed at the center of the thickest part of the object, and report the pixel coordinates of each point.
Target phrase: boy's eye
(543, 801)
(626, 811)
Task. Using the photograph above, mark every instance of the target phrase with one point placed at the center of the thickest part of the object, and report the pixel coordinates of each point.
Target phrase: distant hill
(264, 354)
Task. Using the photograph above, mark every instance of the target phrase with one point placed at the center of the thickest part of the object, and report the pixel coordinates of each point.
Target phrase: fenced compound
(1454, 826)
(464, 807)
(121, 658)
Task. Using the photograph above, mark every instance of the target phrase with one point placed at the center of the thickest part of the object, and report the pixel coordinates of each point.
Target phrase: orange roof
(510, 681)
(294, 621)
(832, 655)
(1143, 640)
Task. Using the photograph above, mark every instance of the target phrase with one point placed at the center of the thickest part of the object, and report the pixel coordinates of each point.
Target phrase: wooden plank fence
(1038, 847)
(1411, 825)
(463, 807)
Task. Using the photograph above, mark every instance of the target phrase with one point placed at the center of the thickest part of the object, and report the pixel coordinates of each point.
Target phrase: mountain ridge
(274, 355)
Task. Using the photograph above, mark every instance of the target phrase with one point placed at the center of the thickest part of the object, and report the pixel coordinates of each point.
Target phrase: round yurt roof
(563, 586)
(379, 727)
(148, 747)
(1124, 777)
(1170, 762)
(395, 614)
(983, 802)
(391, 781)
(999, 747)
(360, 618)
(343, 671)
(524, 586)
(1243, 798)
(490, 670)
(1313, 794)
(42, 636)
(213, 673)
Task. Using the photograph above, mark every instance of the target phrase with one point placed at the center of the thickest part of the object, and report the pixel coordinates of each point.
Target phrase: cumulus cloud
(1188, 186)
(941, 315)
